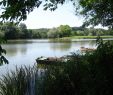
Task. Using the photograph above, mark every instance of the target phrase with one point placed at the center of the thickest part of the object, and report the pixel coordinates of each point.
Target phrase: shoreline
(86, 37)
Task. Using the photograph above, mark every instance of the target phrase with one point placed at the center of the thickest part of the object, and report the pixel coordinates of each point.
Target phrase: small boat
(86, 49)
(49, 60)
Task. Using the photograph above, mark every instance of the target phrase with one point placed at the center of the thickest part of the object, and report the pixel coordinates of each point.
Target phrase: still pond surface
(24, 52)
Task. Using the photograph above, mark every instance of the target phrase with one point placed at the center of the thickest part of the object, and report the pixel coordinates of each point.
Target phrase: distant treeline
(13, 31)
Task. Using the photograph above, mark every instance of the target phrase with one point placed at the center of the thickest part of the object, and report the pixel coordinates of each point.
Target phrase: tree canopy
(95, 11)
(64, 30)
(19, 9)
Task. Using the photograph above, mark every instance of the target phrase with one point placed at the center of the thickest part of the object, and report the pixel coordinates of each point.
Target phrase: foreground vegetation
(83, 74)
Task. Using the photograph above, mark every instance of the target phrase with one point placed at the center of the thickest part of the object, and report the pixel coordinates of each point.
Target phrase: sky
(63, 15)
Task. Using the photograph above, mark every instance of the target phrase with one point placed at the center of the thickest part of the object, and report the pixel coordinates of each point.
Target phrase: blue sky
(46, 19)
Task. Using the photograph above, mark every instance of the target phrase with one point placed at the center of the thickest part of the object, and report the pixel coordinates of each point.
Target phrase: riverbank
(86, 37)
(74, 38)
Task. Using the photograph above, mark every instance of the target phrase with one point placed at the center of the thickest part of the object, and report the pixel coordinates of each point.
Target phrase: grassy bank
(86, 37)
(69, 39)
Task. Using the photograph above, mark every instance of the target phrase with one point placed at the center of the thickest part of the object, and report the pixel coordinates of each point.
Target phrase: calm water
(24, 52)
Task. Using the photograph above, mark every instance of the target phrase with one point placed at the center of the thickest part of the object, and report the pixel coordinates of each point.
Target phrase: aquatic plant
(19, 82)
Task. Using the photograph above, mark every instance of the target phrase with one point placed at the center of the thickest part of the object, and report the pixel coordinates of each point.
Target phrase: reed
(19, 82)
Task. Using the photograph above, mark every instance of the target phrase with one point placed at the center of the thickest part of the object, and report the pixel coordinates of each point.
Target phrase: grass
(86, 37)
(69, 39)
(19, 82)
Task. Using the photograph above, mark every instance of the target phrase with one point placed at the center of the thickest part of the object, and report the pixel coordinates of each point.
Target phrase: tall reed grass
(19, 82)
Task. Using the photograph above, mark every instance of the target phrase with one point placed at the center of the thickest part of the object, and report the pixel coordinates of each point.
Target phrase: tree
(22, 26)
(53, 33)
(24, 33)
(19, 9)
(64, 30)
(11, 30)
(97, 12)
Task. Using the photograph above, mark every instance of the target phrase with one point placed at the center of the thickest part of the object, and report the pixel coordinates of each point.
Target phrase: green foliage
(96, 12)
(11, 30)
(23, 32)
(64, 30)
(74, 33)
(1, 34)
(39, 33)
(2, 58)
(22, 26)
(101, 69)
(80, 33)
(17, 9)
(89, 74)
(19, 82)
(91, 32)
(61, 31)
(2, 51)
(53, 33)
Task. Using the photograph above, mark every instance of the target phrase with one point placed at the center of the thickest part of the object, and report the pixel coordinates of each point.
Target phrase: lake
(24, 52)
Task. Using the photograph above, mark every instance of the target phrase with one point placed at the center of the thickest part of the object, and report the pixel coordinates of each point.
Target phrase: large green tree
(64, 30)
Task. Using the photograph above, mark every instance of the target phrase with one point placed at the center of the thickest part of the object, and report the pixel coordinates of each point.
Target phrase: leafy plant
(2, 52)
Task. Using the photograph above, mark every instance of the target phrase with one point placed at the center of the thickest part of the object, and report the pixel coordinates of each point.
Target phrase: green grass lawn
(68, 39)
(86, 37)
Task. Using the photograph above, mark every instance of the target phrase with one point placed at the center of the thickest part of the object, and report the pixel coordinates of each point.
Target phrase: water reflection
(73, 45)
(85, 43)
(15, 49)
(25, 47)
(24, 52)
(61, 46)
